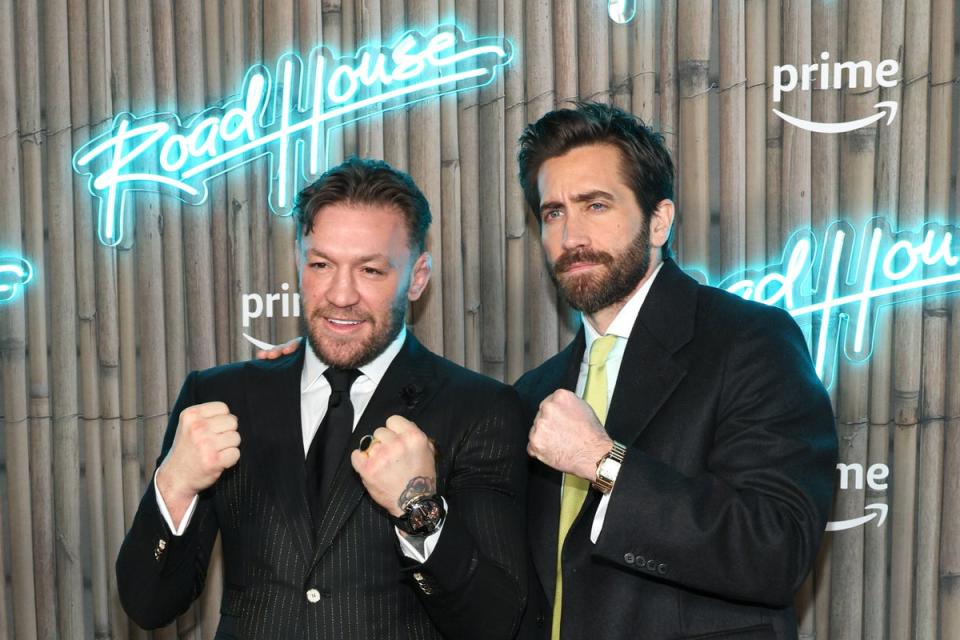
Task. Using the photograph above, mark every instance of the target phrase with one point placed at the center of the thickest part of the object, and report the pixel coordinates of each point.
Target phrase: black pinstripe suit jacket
(472, 586)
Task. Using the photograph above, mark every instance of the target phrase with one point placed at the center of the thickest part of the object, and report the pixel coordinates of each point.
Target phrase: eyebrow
(367, 258)
(596, 194)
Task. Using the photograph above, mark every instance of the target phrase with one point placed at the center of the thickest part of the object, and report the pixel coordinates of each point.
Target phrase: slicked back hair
(363, 181)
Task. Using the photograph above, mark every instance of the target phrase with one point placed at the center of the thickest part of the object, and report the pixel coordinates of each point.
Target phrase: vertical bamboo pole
(41, 466)
(949, 614)
(332, 40)
(774, 55)
(277, 36)
(348, 44)
(515, 210)
(733, 136)
(106, 324)
(258, 190)
(593, 52)
(493, 294)
(452, 228)
(566, 79)
(469, 137)
(908, 338)
(13, 350)
(370, 129)
(755, 194)
(424, 140)
(619, 36)
(877, 539)
(394, 20)
(643, 62)
(174, 320)
(795, 188)
(693, 53)
(63, 335)
(855, 199)
(542, 326)
(219, 210)
(669, 88)
(240, 207)
(935, 334)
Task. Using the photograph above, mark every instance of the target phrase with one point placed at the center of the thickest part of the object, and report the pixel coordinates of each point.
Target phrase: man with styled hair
(684, 446)
(362, 486)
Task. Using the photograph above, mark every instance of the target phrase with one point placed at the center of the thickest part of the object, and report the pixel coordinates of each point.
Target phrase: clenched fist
(207, 443)
(568, 436)
(398, 465)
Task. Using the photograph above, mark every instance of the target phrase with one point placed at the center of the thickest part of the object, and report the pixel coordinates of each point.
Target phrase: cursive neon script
(287, 117)
(840, 285)
(15, 273)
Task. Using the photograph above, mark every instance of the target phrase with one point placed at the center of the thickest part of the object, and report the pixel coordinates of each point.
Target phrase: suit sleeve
(474, 583)
(158, 574)
(748, 527)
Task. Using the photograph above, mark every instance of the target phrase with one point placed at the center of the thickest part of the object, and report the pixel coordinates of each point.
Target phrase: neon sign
(285, 117)
(15, 273)
(857, 277)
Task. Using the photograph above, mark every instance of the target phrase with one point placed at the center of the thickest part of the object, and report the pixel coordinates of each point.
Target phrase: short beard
(590, 293)
(373, 346)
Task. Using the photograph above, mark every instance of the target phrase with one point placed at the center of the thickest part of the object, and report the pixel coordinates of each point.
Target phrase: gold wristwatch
(608, 467)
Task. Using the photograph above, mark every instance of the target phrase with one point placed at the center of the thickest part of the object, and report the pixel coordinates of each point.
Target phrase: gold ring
(366, 442)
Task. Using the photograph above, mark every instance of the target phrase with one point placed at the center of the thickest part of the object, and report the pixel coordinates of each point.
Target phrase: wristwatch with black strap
(422, 515)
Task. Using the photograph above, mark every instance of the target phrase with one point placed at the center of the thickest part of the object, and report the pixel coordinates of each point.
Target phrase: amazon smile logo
(836, 75)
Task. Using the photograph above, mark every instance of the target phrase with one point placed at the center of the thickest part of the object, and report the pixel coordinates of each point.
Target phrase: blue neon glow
(856, 276)
(15, 273)
(622, 11)
(279, 120)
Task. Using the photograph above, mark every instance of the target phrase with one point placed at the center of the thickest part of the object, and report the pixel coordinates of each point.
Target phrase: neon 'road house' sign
(284, 117)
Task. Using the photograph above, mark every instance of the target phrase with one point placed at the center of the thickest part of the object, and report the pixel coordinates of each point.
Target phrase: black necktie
(330, 442)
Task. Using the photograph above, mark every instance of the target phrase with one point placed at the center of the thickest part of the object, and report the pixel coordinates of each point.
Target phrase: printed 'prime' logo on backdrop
(836, 75)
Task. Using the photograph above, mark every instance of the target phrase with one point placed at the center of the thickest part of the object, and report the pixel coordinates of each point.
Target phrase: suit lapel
(275, 447)
(649, 372)
(544, 482)
(405, 389)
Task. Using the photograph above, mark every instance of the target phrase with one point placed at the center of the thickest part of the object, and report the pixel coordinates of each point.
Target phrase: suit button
(313, 596)
(540, 620)
(159, 549)
(628, 558)
(662, 569)
(423, 583)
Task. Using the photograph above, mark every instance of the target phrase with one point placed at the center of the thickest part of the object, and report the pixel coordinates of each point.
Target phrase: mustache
(569, 258)
(339, 314)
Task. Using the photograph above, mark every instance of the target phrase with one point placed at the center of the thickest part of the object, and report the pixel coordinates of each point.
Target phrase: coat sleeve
(748, 526)
(158, 574)
(473, 585)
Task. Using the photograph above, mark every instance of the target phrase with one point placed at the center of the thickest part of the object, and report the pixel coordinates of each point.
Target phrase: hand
(206, 444)
(398, 465)
(567, 435)
(284, 349)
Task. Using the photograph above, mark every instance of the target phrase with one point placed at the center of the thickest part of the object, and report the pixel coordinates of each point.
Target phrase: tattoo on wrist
(418, 486)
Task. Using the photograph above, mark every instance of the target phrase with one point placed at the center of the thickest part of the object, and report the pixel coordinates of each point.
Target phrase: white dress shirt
(314, 397)
(621, 327)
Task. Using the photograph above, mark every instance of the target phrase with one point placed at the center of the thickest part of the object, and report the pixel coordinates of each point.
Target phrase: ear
(661, 223)
(420, 277)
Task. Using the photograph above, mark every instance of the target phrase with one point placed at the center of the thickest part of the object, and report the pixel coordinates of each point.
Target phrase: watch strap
(604, 483)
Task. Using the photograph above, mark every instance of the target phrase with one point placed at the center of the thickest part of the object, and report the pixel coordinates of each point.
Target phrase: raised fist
(207, 443)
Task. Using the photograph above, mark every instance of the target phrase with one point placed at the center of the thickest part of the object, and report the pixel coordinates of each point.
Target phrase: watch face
(425, 516)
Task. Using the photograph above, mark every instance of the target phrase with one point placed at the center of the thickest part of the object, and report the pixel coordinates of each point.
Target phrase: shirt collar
(313, 367)
(622, 324)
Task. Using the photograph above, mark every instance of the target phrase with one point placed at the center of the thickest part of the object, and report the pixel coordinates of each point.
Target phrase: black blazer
(473, 584)
(722, 498)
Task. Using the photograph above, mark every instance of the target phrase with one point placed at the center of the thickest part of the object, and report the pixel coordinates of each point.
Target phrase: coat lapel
(544, 482)
(649, 372)
(405, 389)
(275, 447)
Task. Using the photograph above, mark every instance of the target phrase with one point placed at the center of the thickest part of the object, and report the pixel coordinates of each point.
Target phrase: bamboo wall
(92, 355)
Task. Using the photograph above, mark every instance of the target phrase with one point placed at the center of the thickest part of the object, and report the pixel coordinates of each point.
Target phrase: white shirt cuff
(598, 517)
(185, 520)
(429, 543)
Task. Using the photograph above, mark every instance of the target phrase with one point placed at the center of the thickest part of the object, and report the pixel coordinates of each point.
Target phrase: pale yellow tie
(575, 488)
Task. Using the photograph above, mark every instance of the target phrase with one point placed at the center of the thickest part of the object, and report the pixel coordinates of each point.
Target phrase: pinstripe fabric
(366, 587)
